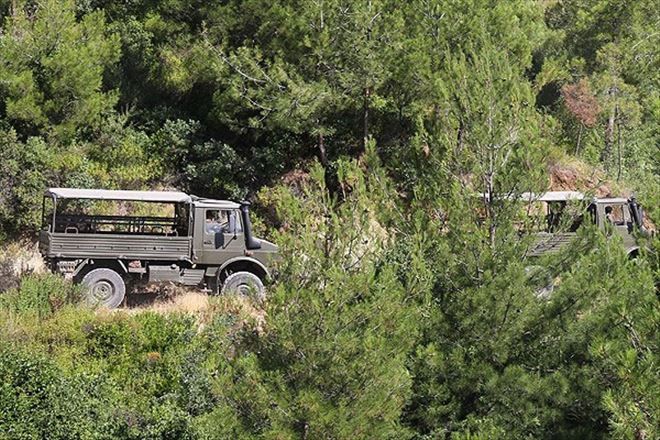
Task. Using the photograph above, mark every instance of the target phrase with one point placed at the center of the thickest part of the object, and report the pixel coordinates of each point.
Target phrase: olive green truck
(563, 213)
(555, 217)
(199, 242)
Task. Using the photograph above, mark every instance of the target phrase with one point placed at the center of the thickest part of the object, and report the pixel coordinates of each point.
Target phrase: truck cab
(101, 239)
(565, 211)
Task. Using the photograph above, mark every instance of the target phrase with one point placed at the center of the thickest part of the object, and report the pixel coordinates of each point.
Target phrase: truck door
(222, 236)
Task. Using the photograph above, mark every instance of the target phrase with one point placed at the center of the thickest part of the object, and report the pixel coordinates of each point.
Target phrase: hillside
(402, 306)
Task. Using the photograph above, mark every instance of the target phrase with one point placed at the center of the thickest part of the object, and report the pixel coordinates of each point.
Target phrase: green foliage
(42, 295)
(102, 377)
(404, 305)
(612, 46)
(123, 157)
(52, 68)
(346, 377)
(40, 401)
(501, 356)
(23, 175)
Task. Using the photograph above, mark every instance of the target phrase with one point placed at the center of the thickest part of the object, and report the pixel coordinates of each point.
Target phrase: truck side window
(614, 214)
(215, 222)
(222, 220)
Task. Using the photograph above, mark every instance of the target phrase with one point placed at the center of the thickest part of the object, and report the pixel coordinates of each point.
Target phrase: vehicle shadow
(165, 297)
(143, 299)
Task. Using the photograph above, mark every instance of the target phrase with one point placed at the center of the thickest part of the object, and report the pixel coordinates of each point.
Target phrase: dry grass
(168, 298)
(187, 301)
(16, 260)
(572, 174)
(24, 257)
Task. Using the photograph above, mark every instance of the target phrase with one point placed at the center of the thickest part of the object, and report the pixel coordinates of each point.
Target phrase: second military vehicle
(620, 215)
(200, 242)
(560, 213)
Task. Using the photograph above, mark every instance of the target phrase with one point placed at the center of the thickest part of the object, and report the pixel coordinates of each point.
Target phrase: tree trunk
(365, 118)
(322, 153)
(330, 173)
(367, 94)
(619, 152)
(579, 139)
(459, 136)
(609, 133)
(490, 192)
(492, 226)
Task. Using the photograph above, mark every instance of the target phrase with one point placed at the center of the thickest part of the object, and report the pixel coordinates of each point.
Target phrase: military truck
(619, 215)
(199, 242)
(556, 216)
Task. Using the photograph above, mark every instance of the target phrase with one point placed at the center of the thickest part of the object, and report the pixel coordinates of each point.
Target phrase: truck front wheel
(244, 284)
(104, 287)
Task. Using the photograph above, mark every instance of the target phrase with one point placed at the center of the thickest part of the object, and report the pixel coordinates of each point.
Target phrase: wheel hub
(243, 289)
(102, 290)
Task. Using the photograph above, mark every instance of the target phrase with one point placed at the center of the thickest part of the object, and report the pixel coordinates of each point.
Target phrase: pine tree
(332, 363)
(52, 65)
(318, 77)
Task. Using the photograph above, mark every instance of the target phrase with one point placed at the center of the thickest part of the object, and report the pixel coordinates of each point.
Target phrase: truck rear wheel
(104, 287)
(244, 284)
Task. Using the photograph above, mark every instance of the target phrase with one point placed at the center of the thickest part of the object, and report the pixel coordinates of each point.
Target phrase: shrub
(37, 400)
(40, 294)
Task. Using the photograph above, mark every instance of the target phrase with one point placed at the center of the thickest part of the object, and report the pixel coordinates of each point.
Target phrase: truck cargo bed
(547, 243)
(108, 246)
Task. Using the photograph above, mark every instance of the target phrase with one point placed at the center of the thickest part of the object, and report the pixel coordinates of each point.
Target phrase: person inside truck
(608, 215)
(222, 221)
(213, 222)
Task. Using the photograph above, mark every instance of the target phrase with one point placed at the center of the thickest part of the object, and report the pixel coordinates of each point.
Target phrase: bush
(24, 168)
(37, 400)
(40, 294)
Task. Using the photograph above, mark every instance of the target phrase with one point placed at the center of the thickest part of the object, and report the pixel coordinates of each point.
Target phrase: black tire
(244, 284)
(104, 288)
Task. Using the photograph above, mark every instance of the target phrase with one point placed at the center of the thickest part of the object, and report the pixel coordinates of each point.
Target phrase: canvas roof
(213, 203)
(550, 196)
(109, 194)
(556, 196)
(559, 196)
(613, 200)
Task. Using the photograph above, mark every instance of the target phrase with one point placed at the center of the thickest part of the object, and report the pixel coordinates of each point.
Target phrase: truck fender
(633, 252)
(243, 259)
(123, 266)
(80, 266)
(116, 265)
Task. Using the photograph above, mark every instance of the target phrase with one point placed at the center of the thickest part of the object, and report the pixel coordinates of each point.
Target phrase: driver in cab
(214, 223)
